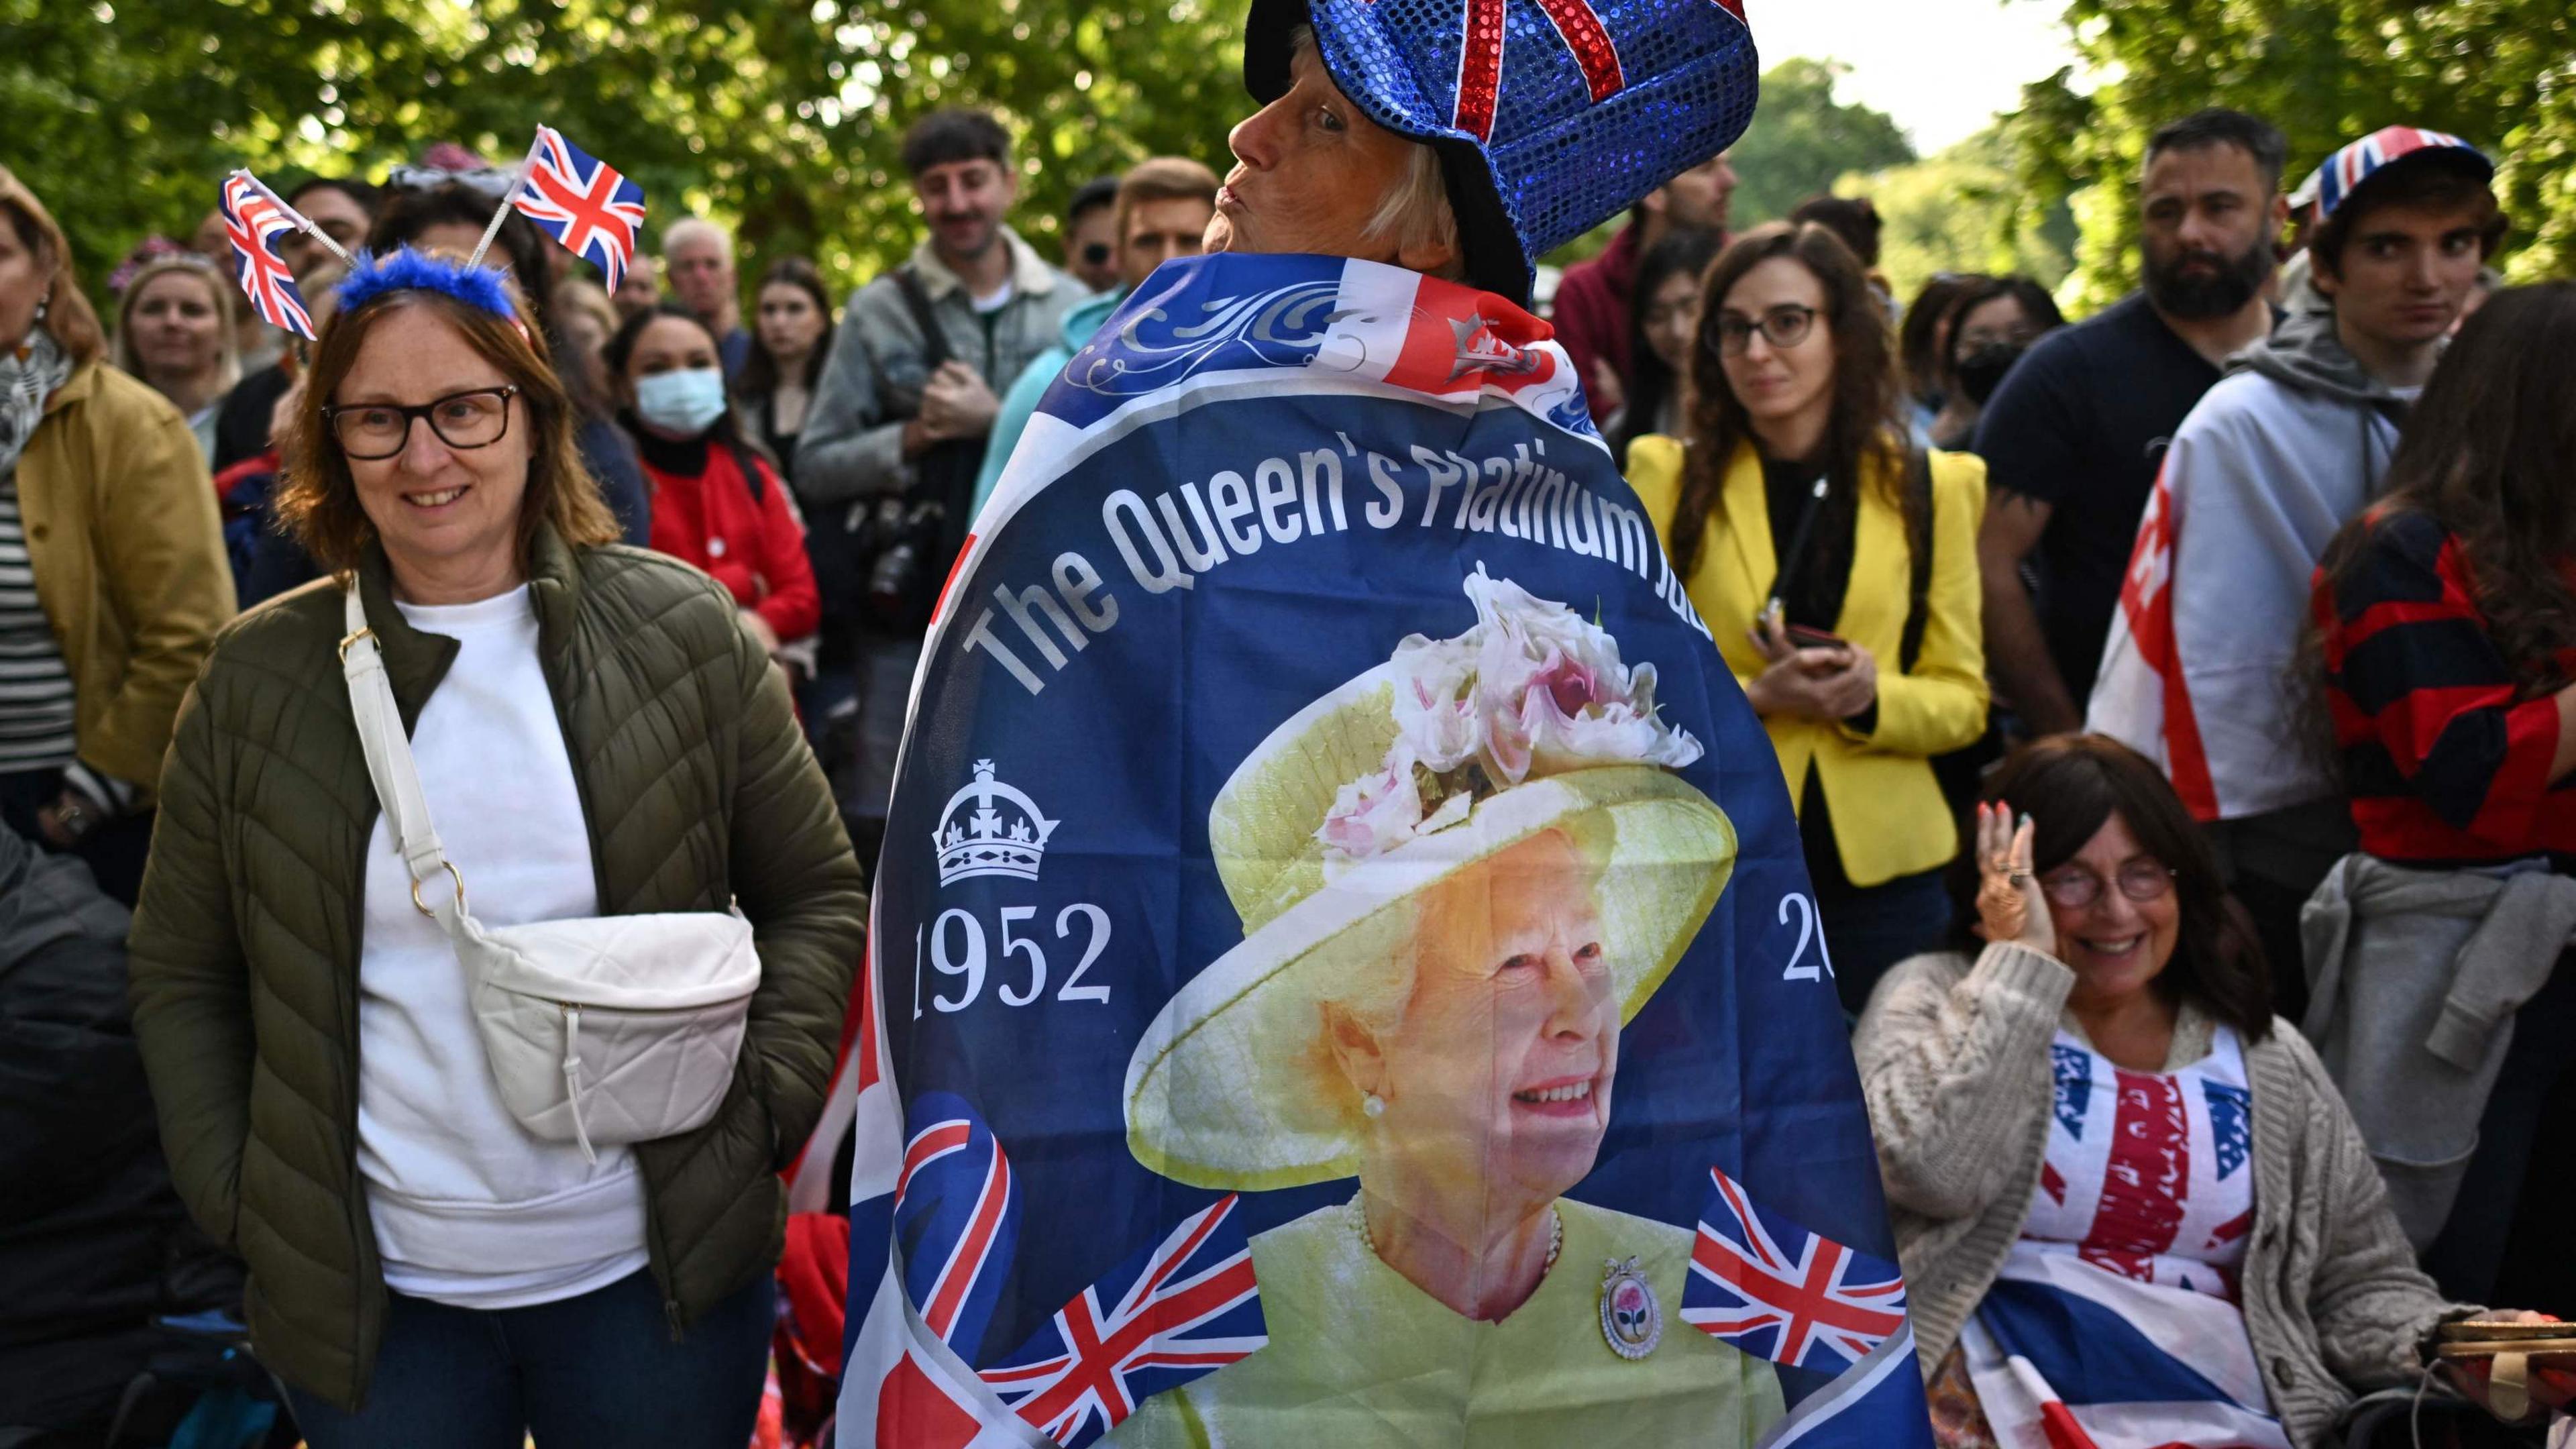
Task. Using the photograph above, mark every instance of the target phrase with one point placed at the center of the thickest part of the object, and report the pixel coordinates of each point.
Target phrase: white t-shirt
(470, 1209)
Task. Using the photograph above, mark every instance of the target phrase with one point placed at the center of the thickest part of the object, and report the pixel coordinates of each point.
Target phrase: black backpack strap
(916, 300)
(1918, 554)
(749, 462)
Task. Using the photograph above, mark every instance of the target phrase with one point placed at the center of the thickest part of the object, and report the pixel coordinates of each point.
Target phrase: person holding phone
(1836, 565)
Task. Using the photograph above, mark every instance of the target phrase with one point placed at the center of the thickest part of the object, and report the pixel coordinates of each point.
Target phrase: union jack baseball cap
(2357, 162)
(1550, 116)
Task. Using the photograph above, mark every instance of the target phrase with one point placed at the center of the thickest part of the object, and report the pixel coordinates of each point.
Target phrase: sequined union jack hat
(1550, 116)
(2344, 172)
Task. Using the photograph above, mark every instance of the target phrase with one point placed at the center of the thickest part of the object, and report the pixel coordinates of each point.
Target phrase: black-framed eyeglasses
(2075, 887)
(371, 432)
(1783, 326)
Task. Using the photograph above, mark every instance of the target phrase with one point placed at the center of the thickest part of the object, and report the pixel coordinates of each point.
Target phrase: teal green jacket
(1022, 400)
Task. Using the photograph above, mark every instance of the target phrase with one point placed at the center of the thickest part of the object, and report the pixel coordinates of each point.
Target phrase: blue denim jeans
(597, 1369)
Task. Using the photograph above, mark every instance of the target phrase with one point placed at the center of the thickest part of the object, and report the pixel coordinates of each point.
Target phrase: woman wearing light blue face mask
(717, 502)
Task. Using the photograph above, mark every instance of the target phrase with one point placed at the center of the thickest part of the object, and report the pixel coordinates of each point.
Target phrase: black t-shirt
(2081, 423)
(1811, 586)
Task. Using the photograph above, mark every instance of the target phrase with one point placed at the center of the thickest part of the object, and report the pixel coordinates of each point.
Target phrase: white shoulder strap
(389, 760)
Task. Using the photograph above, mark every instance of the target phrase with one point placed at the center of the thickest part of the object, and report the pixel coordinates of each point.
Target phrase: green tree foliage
(1964, 209)
(1802, 139)
(784, 119)
(2501, 73)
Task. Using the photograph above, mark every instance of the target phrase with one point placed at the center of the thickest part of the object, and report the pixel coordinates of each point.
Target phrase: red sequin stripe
(1584, 34)
(2147, 1182)
(1480, 69)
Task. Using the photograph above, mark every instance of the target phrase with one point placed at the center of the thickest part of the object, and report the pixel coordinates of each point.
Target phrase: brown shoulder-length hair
(2069, 785)
(1868, 393)
(318, 500)
(2486, 454)
(68, 314)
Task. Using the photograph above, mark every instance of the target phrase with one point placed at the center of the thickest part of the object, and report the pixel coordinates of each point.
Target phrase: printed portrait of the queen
(1460, 875)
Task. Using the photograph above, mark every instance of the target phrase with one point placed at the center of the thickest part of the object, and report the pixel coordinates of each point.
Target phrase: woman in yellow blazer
(1794, 509)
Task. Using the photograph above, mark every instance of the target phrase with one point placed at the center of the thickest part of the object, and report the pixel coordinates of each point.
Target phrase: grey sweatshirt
(2269, 465)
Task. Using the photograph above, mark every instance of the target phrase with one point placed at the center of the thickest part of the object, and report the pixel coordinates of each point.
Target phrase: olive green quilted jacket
(698, 788)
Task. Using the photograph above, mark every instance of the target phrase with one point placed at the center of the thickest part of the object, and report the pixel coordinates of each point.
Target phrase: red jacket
(1591, 314)
(755, 548)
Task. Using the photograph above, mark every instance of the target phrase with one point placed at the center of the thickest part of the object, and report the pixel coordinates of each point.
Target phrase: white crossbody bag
(600, 1029)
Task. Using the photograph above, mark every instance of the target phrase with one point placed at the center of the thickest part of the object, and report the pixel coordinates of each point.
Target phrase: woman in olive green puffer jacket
(253, 963)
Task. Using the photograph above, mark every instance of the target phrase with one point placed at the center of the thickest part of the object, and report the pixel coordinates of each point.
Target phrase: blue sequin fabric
(1580, 107)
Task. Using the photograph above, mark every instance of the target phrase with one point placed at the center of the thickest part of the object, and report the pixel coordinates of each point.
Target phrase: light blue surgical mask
(683, 403)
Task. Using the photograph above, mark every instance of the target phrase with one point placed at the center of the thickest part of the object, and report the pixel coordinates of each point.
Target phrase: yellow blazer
(1889, 818)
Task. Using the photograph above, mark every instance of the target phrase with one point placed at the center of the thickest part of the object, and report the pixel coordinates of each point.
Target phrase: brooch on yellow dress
(1632, 1320)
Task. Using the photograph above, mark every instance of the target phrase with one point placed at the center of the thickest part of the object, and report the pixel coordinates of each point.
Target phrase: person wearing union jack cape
(1343, 966)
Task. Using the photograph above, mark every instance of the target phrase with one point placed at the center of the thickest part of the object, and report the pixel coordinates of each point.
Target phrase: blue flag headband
(407, 269)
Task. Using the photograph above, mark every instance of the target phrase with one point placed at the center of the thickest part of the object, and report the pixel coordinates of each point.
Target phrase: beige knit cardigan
(1954, 1063)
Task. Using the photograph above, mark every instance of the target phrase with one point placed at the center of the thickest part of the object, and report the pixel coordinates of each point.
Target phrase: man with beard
(900, 421)
(2260, 477)
(2073, 438)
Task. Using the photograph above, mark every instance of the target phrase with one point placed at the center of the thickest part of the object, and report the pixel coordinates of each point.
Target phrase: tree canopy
(784, 119)
(1802, 139)
(2500, 73)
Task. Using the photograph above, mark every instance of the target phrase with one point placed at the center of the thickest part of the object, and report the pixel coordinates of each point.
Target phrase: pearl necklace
(1555, 1233)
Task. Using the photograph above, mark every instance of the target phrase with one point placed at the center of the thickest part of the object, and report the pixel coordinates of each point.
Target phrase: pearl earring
(1372, 1105)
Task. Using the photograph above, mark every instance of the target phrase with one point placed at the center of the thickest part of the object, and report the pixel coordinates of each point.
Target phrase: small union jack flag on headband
(253, 221)
(956, 1218)
(1183, 1307)
(1777, 1291)
(583, 203)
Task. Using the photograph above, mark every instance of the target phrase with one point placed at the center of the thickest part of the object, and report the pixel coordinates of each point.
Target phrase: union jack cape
(1261, 476)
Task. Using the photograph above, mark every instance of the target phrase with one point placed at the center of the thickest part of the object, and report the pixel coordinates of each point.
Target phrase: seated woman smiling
(2126, 1198)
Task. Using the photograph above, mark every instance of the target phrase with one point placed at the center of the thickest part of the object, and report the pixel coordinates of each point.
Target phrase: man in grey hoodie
(2271, 463)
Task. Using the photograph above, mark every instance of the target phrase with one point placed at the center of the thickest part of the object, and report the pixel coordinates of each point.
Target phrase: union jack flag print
(253, 222)
(583, 203)
(1577, 23)
(956, 1219)
(1184, 1307)
(1777, 1291)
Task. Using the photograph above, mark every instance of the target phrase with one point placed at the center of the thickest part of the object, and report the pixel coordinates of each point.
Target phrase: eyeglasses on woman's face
(1783, 326)
(2073, 887)
(372, 432)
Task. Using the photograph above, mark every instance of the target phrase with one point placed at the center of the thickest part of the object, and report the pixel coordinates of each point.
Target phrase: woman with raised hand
(2124, 1195)
(1836, 564)
(113, 579)
(596, 736)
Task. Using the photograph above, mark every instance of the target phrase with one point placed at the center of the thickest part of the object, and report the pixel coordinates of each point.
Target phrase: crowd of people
(2177, 704)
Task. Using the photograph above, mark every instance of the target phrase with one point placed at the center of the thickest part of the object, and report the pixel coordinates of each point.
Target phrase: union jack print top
(2147, 1174)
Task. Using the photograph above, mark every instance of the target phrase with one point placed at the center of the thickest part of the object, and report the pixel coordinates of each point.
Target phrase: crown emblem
(990, 829)
(1481, 349)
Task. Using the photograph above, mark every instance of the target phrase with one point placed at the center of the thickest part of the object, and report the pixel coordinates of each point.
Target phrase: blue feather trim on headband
(407, 269)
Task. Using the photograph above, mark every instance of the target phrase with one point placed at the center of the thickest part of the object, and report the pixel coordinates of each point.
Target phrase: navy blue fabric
(597, 1369)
